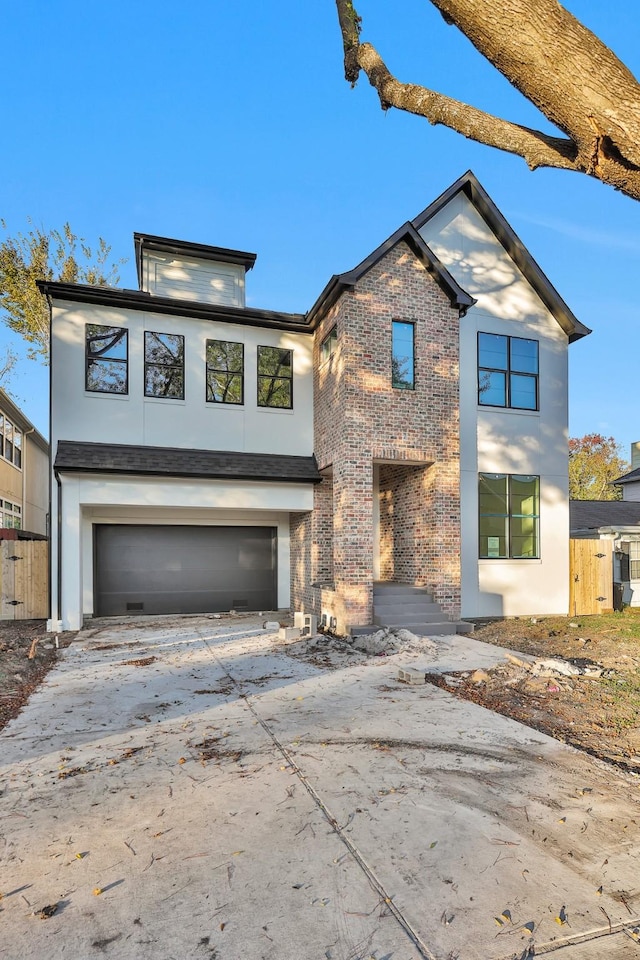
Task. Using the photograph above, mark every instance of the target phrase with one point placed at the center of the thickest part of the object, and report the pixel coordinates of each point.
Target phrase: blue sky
(231, 124)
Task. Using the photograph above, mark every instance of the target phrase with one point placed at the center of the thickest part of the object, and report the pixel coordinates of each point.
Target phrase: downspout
(58, 555)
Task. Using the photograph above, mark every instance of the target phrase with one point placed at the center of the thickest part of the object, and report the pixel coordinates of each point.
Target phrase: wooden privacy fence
(24, 585)
(590, 577)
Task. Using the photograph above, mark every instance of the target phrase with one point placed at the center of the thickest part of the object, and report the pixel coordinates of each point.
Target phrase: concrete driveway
(192, 788)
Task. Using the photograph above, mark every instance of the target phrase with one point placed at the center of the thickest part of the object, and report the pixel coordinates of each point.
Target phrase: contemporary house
(24, 472)
(410, 428)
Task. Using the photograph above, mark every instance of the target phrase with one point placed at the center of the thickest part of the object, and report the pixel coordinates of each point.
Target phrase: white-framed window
(10, 515)
(10, 441)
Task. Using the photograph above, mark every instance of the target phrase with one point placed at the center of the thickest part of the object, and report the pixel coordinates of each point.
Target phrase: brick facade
(385, 452)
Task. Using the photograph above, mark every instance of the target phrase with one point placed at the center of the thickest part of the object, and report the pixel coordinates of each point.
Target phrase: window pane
(164, 365)
(634, 570)
(107, 376)
(524, 355)
(1, 435)
(273, 361)
(524, 537)
(161, 381)
(524, 496)
(109, 343)
(224, 387)
(493, 494)
(329, 345)
(492, 388)
(402, 365)
(106, 351)
(493, 537)
(8, 440)
(17, 447)
(275, 373)
(523, 392)
(492, 351)
(224, 355)
(165, 348)
(274, 392)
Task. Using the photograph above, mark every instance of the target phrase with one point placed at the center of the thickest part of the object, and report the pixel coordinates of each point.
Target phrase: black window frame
(231, 374)
(508, 373)
(97, 358)
(396, 383)
(328, 345)
(262, 377)
(509, 516)
(148, 364)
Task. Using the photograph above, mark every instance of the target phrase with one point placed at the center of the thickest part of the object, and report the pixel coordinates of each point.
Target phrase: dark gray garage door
(160, 569)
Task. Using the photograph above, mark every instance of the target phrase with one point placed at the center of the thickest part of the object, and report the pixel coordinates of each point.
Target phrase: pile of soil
(27, 653)
(600, 715)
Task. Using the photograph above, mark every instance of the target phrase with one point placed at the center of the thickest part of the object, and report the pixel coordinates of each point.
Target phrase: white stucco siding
(79, 414)
(87, 500)
(496, 440)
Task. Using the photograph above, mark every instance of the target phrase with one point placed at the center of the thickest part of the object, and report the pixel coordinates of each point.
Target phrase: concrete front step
(420, 629)
(398, 589)
(384, 618)
(395, 604)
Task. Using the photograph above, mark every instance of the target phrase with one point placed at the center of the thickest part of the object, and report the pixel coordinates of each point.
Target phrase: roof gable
(408, 234)
(469, 186)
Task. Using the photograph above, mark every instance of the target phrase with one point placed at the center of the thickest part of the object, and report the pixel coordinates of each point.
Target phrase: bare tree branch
(553, 60)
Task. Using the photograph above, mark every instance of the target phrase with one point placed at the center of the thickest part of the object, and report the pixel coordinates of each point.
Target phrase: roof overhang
(473, 189)
(183, 248)
(139, 300)
(408, 234)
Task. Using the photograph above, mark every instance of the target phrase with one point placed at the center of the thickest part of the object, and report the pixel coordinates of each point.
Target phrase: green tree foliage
(594, 462)
(36, 255)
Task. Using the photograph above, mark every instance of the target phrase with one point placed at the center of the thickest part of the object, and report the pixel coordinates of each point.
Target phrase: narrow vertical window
(275, 377)
(328, 346)
(402, 356)
(106, 353)
(1, 435)
(17, 447)
(509, 516)
(164, 365)
(225, 372)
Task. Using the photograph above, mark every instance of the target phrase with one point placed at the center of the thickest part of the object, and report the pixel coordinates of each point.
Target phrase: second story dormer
(191, 271)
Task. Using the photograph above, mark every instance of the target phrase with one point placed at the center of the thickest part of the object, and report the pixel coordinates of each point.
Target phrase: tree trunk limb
(553, 60)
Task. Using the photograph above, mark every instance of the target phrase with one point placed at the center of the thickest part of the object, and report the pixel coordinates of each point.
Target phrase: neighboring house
(617, 521)
(630, 482)
(24, 472)
(410, 427)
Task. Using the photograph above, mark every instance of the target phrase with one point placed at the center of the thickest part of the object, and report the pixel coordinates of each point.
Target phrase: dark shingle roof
(592, 514)
(629, 477)
(178, 462)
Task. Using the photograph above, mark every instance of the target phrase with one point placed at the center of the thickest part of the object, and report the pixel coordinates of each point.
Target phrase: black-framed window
(275, 378)
(225, 371)
(328, 345)
(107, 356)
(509, 508)
(164, 365)
(402, 355)
(507, 372)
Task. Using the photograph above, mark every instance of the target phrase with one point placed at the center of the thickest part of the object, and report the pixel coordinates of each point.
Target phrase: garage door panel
(151, 569)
